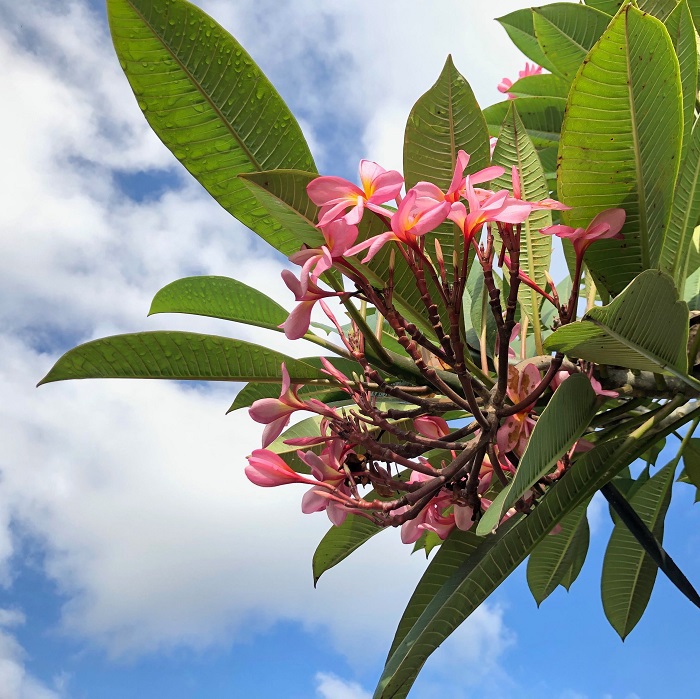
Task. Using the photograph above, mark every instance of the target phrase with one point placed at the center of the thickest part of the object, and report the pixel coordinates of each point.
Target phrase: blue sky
(135, 558)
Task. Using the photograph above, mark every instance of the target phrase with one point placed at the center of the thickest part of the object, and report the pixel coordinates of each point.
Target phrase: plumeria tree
(463, 396)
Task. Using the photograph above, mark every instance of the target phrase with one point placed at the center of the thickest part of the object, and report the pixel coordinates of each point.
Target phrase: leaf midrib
(199, 88)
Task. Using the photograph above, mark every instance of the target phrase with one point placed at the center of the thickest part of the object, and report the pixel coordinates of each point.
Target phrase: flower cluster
(425, 438)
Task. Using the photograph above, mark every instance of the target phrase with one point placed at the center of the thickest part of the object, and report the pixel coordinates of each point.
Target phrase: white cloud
(136, 491)
(15, 681)
(328, 686)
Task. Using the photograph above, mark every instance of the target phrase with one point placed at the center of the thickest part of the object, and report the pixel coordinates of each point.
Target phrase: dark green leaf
(521, 30)
(542, 117)
(544, 85)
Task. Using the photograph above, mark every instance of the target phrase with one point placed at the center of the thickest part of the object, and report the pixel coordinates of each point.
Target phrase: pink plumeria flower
(412, 219)
(327, 468)
(297, 324)
(515, 431)
(492, 145)
(335, 195)
(339, 236)
(431, 426)
(276, 412)
(507, 83)
(598, 389)
(607, 224)
(457, 188)
(547, 203)
(491, 206)
(267, 469)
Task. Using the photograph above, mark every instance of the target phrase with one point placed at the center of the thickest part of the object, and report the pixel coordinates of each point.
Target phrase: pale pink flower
(492, 145)
(431, 426)
(515, 431)
(267, 469)
(547, 203)
(412, 219)
(507, 83)
(335, 195)
(598, 389)
(297, 324)
(607, 224)
(327, 468)
(339, 236)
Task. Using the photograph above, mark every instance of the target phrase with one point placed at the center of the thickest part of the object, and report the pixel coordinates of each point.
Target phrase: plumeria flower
(607, 224)
(492, 144)
(507, 83)
(515, 431)
(431, 426)
(561, 376)
(339, 236)
(297, 325)
(457, 188)
(327, 468)
(491, 206)
(335, 195)
(276, 412)
(267, 469)
(551, 204)
(431, 518)
(412, 219)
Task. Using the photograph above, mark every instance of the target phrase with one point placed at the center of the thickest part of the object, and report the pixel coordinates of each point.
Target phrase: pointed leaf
(628, 572)
(177, 355)
(620, 143)
(578, 550)
(561, 423)
(645, 327)
(521, 29)
(207, 101)
(219, 297)
(542, 117)
(567, 32)
(444, 120)
(551, 561)
(514, 147)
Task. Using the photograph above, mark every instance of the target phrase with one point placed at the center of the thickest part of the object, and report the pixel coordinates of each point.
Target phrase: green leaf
(219, 297)
(628, 489)
(567, 32)
(628, 572)
(679, 25)
(542, 117)
(291, 215)
(521, 29)
(480, 312)
(620, 144)
(255, 391)
(340, 542)
(659, 8)
(561, 423)
(514, 148)
(454, 585)
(685, 213)
(552, 560)
(544, 85)
(177, 355)
(444, 120)
(610, 7)
(578, 550)
(691, 462)
(207, 101)
(645, 327)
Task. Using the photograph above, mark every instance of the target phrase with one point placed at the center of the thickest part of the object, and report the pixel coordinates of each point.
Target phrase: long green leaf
(177, 355)
(219, 297)
(514, 148)
(553, 558)
(207, 101)
(567, 32)
(621, 141)
(542, 117)
(521, 29)
(645, 327)
(659, 8)
(449, 592)
(610, 7)
(628, 572)
(578, 550)
(685, 213)
(561, 423)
